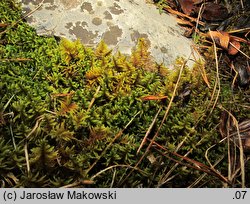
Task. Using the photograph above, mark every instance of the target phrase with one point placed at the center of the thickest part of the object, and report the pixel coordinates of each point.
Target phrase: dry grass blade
(242, 163)
(35, 127)
(94, 97)
(239, 30)
(236, 74)
(26, 142)
(198, 20)
(111, 167)
(27, 156)
(149, 130)
(217, 82)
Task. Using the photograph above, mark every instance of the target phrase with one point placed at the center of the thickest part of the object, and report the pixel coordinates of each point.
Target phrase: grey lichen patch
(34, 2)
(69, 4)
(116, 9)
(26, 10)
(173, 31)
(107, 15)
(97, 21)
(51, 7)
(83, 34)
(99, 3)
(111, 36)
(69, 25)
(86, 6)
(164, 50)
(136, 35)
(133, 2)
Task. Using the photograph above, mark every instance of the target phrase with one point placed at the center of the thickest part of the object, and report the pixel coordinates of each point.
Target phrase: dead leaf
(233, 47)
(214, 12)
(187, 6)
(221, 38)
(152, 97)
(224, 40)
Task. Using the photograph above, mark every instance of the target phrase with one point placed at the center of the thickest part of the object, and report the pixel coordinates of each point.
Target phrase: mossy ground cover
(74, 116)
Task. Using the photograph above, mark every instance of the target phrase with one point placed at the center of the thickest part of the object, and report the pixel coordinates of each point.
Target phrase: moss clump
(70, 114)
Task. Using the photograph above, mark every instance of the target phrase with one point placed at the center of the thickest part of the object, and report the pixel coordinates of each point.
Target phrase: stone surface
(119, 22)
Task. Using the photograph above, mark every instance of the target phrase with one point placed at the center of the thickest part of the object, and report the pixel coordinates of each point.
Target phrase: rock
(119, 22)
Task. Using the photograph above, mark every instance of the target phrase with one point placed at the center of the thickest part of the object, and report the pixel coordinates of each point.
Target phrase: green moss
(68, 106)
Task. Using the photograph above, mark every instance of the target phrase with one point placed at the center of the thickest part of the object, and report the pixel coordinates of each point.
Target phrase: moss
(69, 107)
